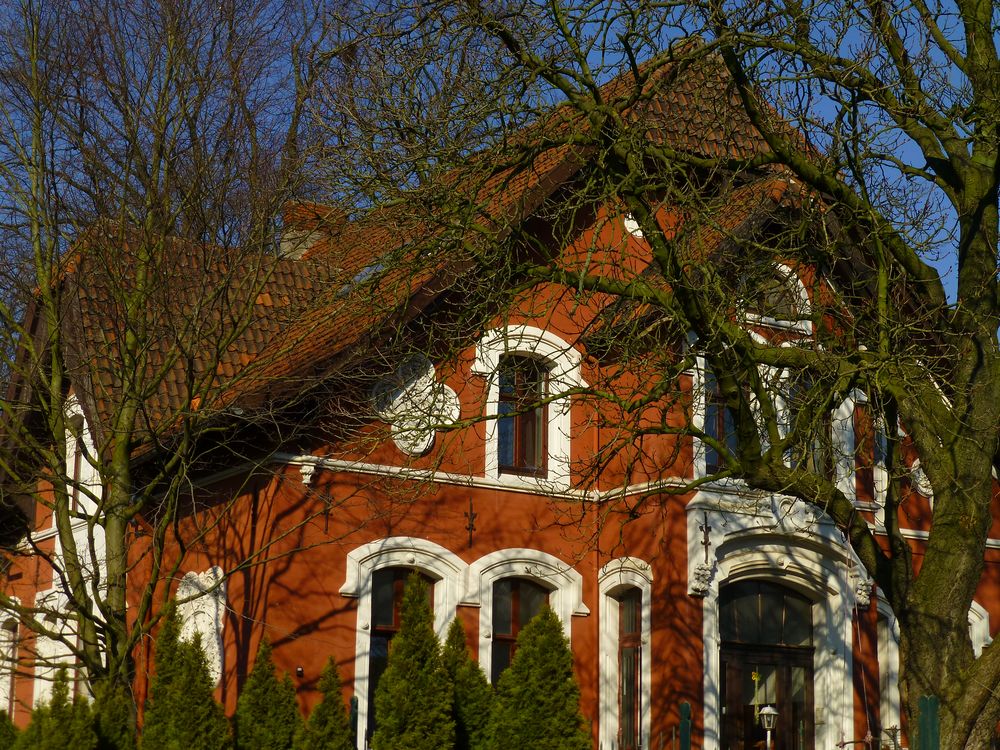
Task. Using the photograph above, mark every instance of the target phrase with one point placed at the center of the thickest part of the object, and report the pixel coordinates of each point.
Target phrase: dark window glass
(387, 600)
(515, 602)
(719, 425)
(770, 293)
(522, 419)
(629, 668)
(765, 613)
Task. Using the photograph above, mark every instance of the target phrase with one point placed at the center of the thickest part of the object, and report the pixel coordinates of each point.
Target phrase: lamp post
(768, 720)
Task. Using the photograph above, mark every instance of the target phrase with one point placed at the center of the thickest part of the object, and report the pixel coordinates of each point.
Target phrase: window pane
(522, 421)
(798, 621)
(771, 617)
(628, 611)
(501, 658)
(505, 435)
(628, 725)
(503, 610)
(533, 597)
(383, 597)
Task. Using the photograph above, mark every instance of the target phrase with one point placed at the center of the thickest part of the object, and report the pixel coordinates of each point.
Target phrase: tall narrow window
(76, 451)
(813, 450)
(629, 668)
(869, 454)
(515, 602)
(719, 425)
(521, 428)
(387, 601)
(8, 665)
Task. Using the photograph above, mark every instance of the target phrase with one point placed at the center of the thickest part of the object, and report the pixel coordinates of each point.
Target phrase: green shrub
(114, 716)
(471, 691)
(267, 713)
(537, 701)
(329, 725)
(413, 698)
(8, 732)
(61, 723)
(182, 713)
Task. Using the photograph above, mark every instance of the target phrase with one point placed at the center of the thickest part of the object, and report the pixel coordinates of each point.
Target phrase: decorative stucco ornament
(701, 579)
(632, 226)
(415, 405)
(862, 586)
(918, 478)
(201, 608)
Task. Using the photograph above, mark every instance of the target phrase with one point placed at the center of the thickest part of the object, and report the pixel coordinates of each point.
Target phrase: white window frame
(445, 567)
(803, 324)
(619, 575)
(10, 644)
(565, 585)
(887, 634)
(563, 364)
(849, 478)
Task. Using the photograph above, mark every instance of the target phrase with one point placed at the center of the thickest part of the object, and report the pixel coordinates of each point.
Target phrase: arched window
(515, 602)
(625, 675)
(775, 296)
(527, 443)
(387, 601)
(522, 418)
(766, 636)
(375, 574)
(518, 582)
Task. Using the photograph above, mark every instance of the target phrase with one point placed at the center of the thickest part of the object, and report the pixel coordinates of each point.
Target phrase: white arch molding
(810, 559)
(565, 586)
(445, 567)
(563, 363)
(615, 577)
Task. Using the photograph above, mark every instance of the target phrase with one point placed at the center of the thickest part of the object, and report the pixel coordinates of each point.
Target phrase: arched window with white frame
(625, 665)
(528, 426)
(511, 584)
(375, 575)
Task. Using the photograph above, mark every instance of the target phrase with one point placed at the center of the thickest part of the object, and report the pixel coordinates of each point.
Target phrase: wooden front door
(756, 677)
(766, 659)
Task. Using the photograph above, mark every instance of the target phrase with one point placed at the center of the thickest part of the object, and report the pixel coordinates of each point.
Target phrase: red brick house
(490, 467)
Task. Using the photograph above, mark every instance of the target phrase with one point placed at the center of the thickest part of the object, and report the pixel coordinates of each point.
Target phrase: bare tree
(855, 140)
(147, 149)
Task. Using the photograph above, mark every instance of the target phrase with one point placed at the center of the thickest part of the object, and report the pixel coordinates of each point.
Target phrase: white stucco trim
(778, 541)
(887, 632)
(564, 582)
(979, 627)
(880, 477)
(798, 289)
(448, 571)
(563, 363)
(619, 574)
(49, 654)
(10, 641)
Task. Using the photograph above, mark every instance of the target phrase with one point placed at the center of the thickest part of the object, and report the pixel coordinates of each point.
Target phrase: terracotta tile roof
(237, 328)
(209, 312)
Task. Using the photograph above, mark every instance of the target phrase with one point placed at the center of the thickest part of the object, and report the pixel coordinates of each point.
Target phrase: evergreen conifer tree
(267, 713)
(537, 701)
(329, 726)
(413, 699)
(471, 691)
(61, 723)
(113, 713)
(8, 732)
(182, 713)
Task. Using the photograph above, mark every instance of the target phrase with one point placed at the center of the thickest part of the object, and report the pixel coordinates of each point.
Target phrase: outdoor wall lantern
(768, 720)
